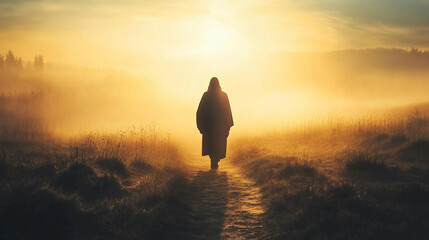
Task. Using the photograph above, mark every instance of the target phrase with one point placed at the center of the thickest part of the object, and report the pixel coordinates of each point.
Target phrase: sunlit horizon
(277, 60)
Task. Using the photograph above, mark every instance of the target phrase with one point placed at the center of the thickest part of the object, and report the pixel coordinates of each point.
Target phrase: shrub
(112, 166)
(364, 161)
(76, 177)
(81, 178)
(302, 170)
(141, 166)
(416, 151)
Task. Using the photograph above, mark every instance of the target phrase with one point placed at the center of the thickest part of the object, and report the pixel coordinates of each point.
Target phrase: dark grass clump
(112, 166)
(81, 178)
(386, 141)
(46, 170)
(163, 215)
(397, 140)
(364, 161)
(382, 137)
(302, 170)
(141, 166)
(361, 165)
(326, 214)
(44, 214)
(417, 151)
(265, 170)
(17, 173)
(75, 177)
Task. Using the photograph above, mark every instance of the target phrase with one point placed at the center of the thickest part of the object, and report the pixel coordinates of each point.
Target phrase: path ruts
(226, 204)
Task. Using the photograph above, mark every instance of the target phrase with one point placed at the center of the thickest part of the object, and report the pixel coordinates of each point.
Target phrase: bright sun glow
(216, 38)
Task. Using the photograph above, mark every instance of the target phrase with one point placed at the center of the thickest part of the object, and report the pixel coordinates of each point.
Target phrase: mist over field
(266, 91)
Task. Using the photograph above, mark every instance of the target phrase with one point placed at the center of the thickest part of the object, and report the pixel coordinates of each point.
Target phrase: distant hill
(380, 58)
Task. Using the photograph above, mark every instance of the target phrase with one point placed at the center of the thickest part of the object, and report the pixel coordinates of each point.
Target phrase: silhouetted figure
(214, 119)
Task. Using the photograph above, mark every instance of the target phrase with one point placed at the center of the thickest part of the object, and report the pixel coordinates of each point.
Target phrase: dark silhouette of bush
(397, 140)
(141, 166)
(77, 175)
(387, 141)
(415, 151)
(364, 161)
(164, 215)
(301, 170)
(106, 187)
(112, 166)
(17, 173)
(368, 167)
(45, 171)
(381, 137)
(81, 178)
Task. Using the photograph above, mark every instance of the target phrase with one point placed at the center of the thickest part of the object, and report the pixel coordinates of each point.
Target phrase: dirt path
(226, 205)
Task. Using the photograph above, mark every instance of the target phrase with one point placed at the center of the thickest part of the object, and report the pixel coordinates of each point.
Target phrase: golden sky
(127, 34)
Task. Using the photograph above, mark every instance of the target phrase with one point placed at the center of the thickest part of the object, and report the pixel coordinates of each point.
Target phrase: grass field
(366, 178)
(128, 185)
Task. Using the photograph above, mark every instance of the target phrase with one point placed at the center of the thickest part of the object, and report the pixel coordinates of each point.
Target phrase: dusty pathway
(226, 205)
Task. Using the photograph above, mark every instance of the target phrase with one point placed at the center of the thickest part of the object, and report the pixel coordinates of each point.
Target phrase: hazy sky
(178, 45)
(111, 33)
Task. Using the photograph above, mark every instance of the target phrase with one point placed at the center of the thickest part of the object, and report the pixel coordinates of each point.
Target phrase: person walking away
(214, 120)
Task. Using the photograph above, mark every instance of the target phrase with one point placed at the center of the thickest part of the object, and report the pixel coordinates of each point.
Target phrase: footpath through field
(227, 205)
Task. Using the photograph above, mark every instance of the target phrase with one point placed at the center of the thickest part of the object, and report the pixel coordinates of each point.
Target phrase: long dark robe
(214, 119)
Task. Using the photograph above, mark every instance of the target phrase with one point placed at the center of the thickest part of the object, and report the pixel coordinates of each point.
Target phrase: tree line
(10, 61)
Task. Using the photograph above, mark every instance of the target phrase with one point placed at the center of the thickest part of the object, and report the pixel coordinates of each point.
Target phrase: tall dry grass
(148, 145)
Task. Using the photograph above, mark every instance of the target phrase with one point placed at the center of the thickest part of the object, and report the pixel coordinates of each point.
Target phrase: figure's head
(214, 84)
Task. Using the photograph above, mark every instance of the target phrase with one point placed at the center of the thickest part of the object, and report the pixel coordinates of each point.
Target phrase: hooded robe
(214, 119)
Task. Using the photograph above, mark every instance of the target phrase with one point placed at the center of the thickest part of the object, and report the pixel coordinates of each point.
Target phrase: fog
(266, 92)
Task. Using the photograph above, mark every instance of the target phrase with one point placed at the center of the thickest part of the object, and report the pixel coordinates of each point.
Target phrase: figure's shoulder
(205, 95)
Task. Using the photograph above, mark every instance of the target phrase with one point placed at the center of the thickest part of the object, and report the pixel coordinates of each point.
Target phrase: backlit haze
(279, 61)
